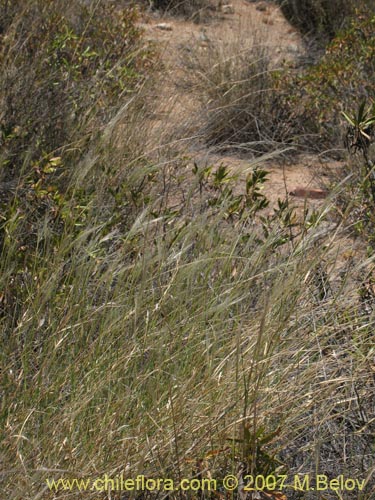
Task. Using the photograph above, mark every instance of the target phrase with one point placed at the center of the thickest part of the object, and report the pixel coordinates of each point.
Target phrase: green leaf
(361, 111)
(348, 119)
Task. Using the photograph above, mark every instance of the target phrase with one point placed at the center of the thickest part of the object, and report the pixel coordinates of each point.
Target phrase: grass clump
(156, 321)
(190, 343)
(241, 98)
(179, 334)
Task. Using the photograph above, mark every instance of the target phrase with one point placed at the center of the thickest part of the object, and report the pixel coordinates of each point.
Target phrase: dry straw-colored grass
(138, 336)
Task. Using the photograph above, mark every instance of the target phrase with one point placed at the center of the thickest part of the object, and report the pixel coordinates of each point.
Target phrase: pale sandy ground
(177, 108)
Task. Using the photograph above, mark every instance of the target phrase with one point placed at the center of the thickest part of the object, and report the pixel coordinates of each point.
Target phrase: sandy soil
(175, 114)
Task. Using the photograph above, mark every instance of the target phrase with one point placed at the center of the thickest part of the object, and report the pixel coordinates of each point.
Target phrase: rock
(164, 27)
(203, 36)
(262, 7)
(293, 48)
(314, 194)
(227, 9)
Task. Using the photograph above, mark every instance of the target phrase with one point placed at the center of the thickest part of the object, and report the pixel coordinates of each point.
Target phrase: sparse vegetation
(196, 10)
(240, 101)
(249, 104)
(340, 80)
(158, 316)
(322, 19)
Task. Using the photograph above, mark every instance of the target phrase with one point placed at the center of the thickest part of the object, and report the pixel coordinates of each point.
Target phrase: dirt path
(175, 116)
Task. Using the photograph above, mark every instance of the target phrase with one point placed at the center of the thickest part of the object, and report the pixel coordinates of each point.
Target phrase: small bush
(66, 70)
(320, 18)
(358, 199)
(340, 80)
(64, 67)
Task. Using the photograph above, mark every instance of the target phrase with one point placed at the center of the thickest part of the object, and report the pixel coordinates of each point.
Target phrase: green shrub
(358, 199)
(64, 68)
(340, 80)
(66, 71)
(320, 18)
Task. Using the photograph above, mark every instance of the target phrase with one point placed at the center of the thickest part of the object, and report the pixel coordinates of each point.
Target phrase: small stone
(227, 9)
(203, 36)
(164, 27)
(315, 194)
(293, 48)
